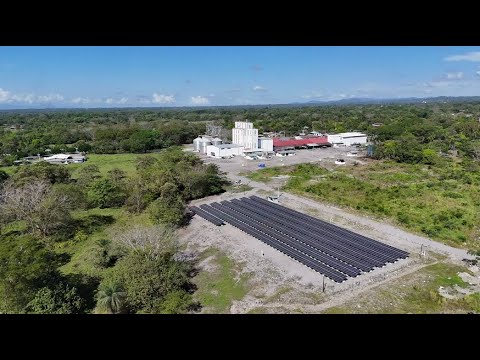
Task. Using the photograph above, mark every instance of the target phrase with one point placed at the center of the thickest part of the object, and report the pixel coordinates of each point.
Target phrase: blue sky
(38, 77)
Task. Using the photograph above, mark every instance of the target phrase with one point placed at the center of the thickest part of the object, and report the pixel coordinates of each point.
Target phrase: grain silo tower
(196, 144)
(204, 142)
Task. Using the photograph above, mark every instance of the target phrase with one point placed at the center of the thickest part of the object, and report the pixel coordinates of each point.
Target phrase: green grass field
(415, 293)
(437, 203)
(107, 162)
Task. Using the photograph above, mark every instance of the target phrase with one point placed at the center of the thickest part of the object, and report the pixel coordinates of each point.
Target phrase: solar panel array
(326, 248)
(213, 219)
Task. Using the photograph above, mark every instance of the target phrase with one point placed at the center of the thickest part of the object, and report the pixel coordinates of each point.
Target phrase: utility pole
(423, 252)
(323, 285)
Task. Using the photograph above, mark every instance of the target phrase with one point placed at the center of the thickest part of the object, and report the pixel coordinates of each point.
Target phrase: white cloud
(199, 100)
(80, 100)
(478, 73)
(454, 75)
(50, 98)
(4, 95)
(162, 99)
(30, 98)
(259, 88)
(123, 100)
(334, 97)
(471, 56)
(9, 97)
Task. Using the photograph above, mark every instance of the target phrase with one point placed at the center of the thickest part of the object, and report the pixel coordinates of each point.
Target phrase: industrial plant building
(245, 135)
(245, 141)
(347, 139)
(282, 144)
(224, 150)
(265, 144)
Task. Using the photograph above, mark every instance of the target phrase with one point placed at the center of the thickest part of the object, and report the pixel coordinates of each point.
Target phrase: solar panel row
(214, 220)
(304, 243)
(363, 254)
(289, 240)
(282, 247)
(324, 247)
(327, 225)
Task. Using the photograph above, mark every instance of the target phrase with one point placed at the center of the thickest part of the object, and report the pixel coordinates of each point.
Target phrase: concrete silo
(196, 144)
(217, 141)
(203, 145)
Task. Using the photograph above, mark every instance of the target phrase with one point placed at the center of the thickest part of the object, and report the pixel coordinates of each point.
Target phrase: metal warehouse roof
(292, 142)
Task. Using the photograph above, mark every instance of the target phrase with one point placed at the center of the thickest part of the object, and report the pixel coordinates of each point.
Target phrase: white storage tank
(196, 144)
(217, 141)
(203, 145)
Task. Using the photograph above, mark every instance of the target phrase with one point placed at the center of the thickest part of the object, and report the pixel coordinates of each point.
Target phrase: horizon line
(345, 100)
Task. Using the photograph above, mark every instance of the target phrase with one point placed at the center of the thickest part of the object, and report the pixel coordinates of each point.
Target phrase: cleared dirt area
(277, 283)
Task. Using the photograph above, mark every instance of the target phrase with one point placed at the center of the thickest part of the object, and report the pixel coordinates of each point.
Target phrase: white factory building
(265, 144)
(347, 139)
(245, 135)
(245, 140)
(224, 150)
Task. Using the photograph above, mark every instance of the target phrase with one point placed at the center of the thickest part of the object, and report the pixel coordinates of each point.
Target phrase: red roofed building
(280, 143)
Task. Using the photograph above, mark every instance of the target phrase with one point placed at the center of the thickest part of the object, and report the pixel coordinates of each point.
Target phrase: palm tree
(111, 298)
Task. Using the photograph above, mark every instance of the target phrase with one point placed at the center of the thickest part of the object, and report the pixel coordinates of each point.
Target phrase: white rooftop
(58, 156)
(351, 134)
(64, 157)
(227, 146)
